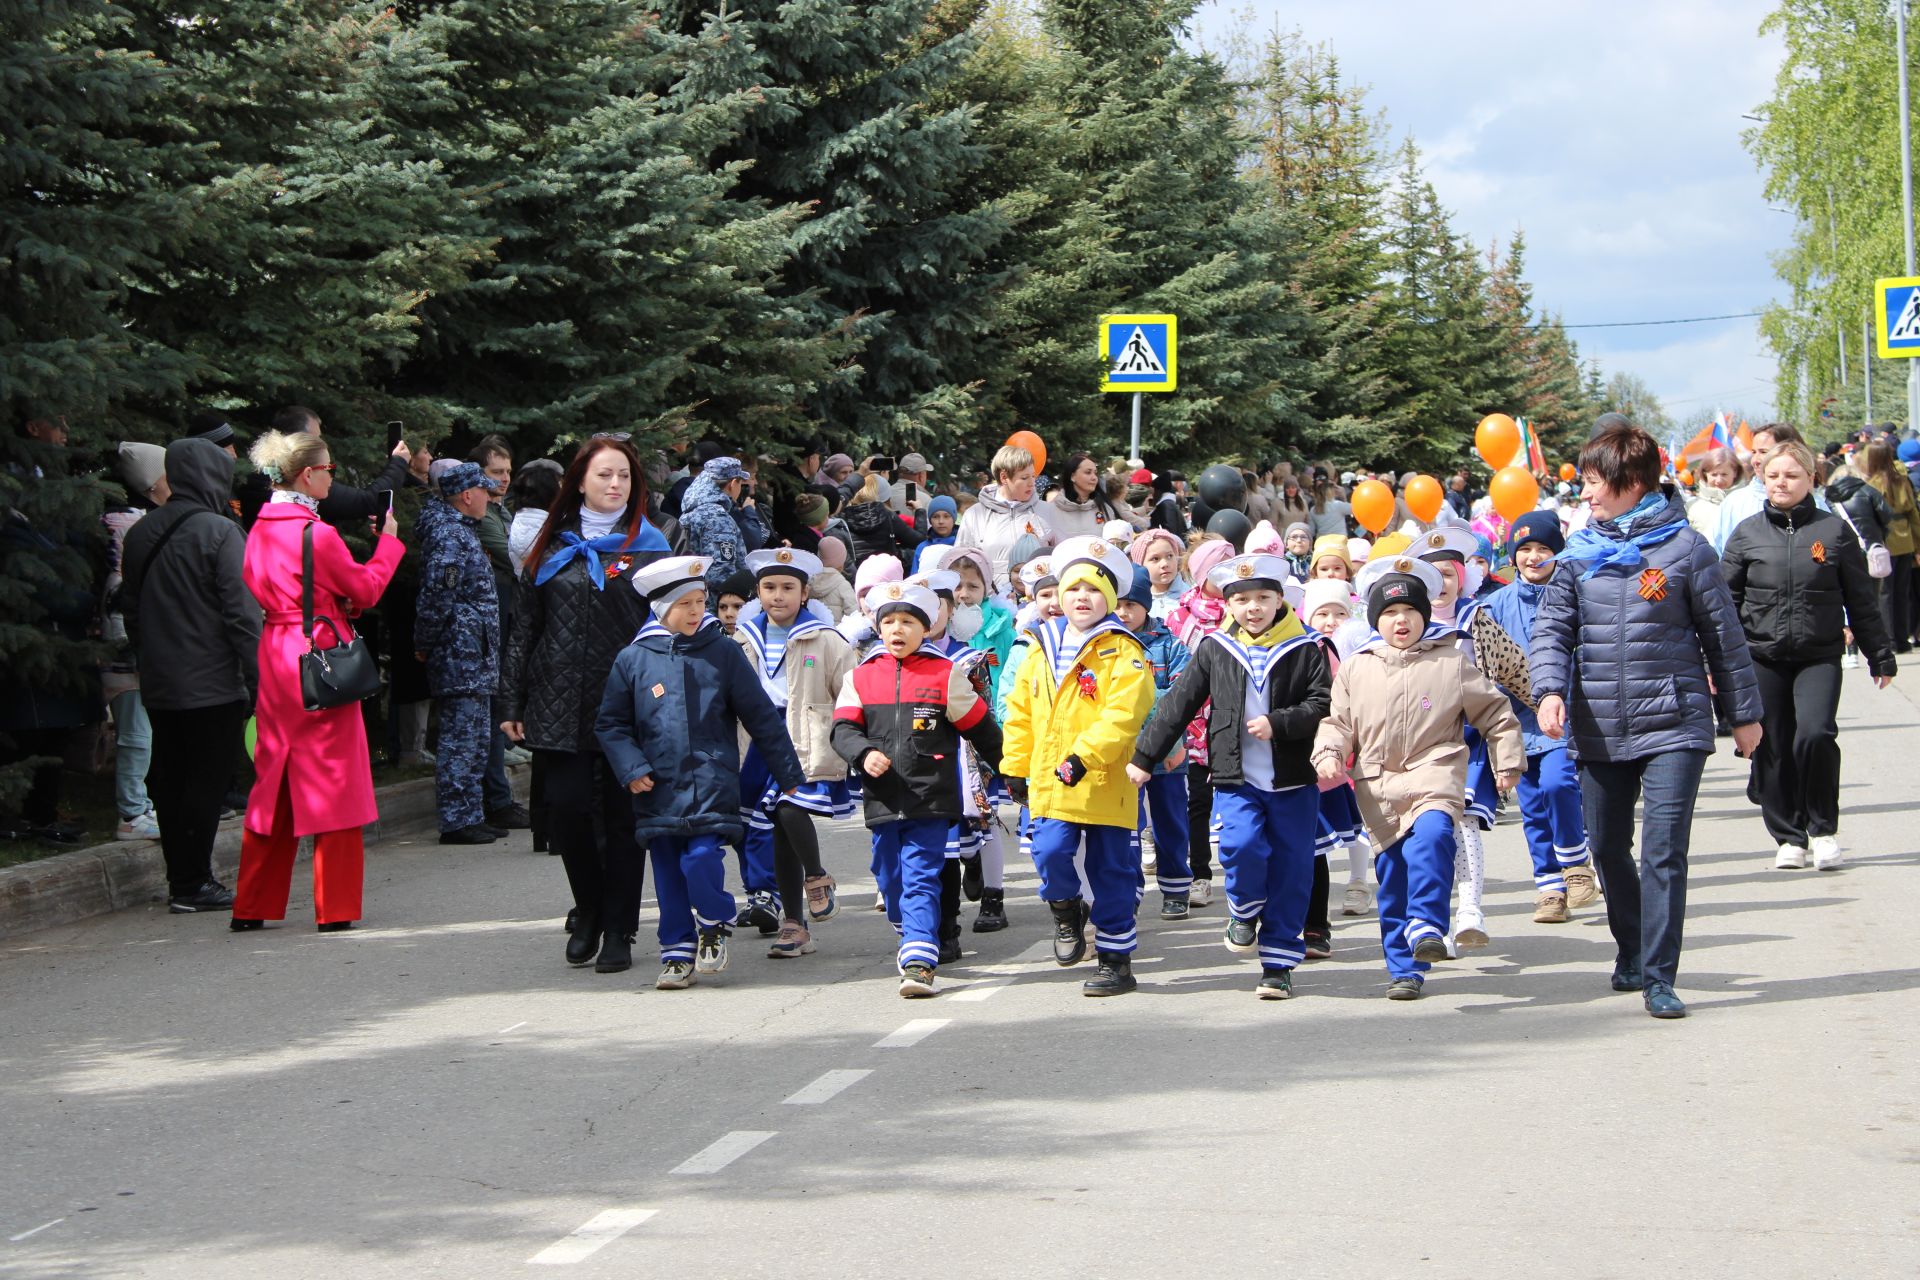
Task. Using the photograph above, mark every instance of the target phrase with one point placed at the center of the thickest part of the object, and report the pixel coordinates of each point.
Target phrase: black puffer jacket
(1299, 695)
(564, 638)
(1863, 502)
(1798, 577)
(878, 531)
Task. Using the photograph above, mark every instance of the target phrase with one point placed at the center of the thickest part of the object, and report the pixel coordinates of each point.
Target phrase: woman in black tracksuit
(1799, 578)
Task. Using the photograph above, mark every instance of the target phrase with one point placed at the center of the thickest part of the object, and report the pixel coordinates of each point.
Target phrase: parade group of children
(1157, 705)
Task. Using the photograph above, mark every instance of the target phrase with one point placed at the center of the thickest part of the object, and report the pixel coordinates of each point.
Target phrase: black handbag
(336, 677)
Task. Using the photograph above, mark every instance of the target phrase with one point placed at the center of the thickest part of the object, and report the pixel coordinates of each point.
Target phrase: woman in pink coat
(312, 776)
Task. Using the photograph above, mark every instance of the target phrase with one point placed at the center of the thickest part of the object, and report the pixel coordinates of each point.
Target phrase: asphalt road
(439, 1094)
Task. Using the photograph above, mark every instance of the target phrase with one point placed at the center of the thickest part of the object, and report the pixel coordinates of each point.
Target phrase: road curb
(128, 873)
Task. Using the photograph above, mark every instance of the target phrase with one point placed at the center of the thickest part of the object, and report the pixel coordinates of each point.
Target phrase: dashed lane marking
(911, 1034)
(34, 1231)
(590, 1237)
(826, 1088)
(979, 991)
(723, 1151)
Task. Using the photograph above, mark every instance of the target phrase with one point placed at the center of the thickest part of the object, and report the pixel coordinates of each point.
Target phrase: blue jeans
(132, 754)
(1646, 909)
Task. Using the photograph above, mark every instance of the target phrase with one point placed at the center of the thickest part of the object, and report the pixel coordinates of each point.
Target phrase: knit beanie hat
(739, 584)
(1025, 548)
(1088, 572)
(1202, 559)
(811, 509)
(1322, 592)
(833, 553)
(1542, 527)
(1265, 540)
(1398, 588)
(1334, 545)
(1143, 543)
(141, 466)
(1299, 527)
(943, 503)
(1140, 591)
(873, 571)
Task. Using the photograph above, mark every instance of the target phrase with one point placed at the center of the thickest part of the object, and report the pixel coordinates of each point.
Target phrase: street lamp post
(1906, 190)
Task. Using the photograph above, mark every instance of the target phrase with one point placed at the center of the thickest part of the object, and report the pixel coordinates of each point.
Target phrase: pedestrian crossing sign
(1141, 353)
(1897, 319)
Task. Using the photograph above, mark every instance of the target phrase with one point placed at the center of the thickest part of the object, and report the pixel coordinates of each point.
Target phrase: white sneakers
(1470, 933)
(1356, 900)
(1850, 660)
(1790, 858)
(1200, 894)
(1826, 853)
(144, 827)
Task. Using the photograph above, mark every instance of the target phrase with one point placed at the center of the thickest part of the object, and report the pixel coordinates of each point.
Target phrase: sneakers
(993, 911)
(823, 904)
(1201, 894)
(1583, 887)
(759, 913)
(143, 827)
(972, 878)
(675, 975)
(1472, 933)
(1173, 906)
(616, 953)
(1790, 858)
(1357, 899)
(1149, 855)
(1550, 906)
(1069, 940)
(711, 956)
(1404, 989)
(476, 833)
(916, 981)
(1319, 946)
(512, 817)
(1276, 984)
(793, 942)
(517, 755)
(1114, 977)
(1662, 1003)
(1850, 660)
(1242, 936)
(211, 896)
(1432, 949)
(1826, 853)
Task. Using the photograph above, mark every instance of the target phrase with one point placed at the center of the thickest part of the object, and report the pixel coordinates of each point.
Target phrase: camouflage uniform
(457, 627)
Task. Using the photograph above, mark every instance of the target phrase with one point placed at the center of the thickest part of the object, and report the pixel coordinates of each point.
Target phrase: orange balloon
(1497, 439)
(1686, 477)
(1033, 444)
(1423, 498)
(1372, 504)
(1514, 492)
(1568, 472)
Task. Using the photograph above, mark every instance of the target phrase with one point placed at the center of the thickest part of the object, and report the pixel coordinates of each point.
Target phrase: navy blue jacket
(1633, 669)
(670, 712)
(456, 621)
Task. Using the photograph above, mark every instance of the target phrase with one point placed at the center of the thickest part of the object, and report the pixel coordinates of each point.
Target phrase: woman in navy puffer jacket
(1621, 649)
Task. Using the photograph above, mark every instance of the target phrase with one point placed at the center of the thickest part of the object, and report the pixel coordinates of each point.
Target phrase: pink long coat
(322, 754)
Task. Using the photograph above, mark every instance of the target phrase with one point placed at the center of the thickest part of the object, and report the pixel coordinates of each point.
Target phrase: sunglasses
(323, 466)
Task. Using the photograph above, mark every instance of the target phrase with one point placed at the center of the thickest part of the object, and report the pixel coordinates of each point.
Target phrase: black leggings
(1200, 820)
(1317, 921)
(796, 856)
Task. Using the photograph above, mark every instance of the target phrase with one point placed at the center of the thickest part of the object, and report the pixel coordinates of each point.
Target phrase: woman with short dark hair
(1625, 637)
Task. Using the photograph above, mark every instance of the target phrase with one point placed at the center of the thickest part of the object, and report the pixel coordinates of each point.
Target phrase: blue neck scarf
(573, 546)
(1627, 552)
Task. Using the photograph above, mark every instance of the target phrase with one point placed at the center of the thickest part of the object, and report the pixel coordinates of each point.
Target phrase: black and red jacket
(914, 711)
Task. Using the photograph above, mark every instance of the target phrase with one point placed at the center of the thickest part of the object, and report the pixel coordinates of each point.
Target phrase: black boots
(993, 911)
(616, 953)
(1113, 978)
(1069, 930)
(972, 878)
(950, 952)
(584, 940)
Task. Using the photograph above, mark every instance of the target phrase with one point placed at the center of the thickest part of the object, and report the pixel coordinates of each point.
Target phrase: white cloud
(1609, 134)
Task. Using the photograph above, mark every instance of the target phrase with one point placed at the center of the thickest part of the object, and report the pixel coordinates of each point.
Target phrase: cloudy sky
(1609, 133)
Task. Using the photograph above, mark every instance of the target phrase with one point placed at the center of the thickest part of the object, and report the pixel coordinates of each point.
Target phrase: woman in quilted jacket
(574, 609)
(1623, 642)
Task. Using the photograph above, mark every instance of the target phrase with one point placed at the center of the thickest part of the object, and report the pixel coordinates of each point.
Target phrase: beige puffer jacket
(1397, 716)
(817, 665)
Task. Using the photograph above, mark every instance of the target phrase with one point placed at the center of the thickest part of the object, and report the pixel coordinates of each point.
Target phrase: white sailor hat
(1037, 573)
(1446, 542)
(1249, 573)
(942, 582)
(1406, 563)
(777, 560)
(1098, 552)
(893, 596)
(665, 581)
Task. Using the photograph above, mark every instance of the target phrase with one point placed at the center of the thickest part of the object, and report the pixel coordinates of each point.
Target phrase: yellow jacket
(1094, 713)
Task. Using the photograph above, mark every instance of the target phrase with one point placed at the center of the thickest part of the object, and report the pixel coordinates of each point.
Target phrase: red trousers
(266, 870)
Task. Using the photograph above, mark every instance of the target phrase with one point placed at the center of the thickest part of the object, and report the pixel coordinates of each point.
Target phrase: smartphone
(880, 462)
(395, 429)
(913, 493)
(386, 497)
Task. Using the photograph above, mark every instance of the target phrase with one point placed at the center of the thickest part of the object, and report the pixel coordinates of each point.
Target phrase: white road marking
(979, 991)
(911, 1034)
(590, 1237)
(826, 1088)
(35, 1231)
(723, 1152)
(515, 1027)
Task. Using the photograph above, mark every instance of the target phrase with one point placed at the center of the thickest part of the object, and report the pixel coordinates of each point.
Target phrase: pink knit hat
(875, 570)
(833, 553)
(1202, 559)
(1143, 543)
(1265, 540)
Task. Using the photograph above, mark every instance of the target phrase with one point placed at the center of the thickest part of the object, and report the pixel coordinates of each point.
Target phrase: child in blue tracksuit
(669, 725)
(1549, 791)
(1163, 801)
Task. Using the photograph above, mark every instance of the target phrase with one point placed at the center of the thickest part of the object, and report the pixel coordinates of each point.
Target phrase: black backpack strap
(152, 557)
(306, 581)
